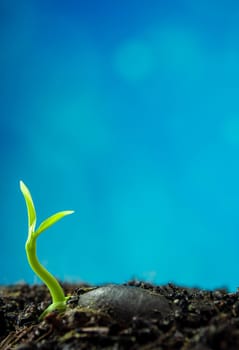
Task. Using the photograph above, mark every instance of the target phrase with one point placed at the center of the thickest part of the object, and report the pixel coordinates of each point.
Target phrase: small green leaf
(52, 220)
(31, 212)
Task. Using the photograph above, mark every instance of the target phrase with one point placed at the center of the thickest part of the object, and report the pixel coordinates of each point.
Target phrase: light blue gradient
(126, 112)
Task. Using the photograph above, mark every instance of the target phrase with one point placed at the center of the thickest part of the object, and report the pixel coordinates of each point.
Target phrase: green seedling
(58, 297)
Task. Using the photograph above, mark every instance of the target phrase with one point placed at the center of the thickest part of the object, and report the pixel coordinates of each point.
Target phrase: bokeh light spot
(178, 50)
(134, 60)
(231, 131)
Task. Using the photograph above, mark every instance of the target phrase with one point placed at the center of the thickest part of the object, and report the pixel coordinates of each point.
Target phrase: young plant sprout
(58, 297)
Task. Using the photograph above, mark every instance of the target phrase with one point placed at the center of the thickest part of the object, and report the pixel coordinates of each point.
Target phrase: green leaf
(52, 220)
(31, 212)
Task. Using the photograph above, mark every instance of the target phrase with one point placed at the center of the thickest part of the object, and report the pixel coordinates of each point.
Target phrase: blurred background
(127, 112)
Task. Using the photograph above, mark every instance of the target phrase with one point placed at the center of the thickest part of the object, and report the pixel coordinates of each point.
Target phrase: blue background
(127, 112)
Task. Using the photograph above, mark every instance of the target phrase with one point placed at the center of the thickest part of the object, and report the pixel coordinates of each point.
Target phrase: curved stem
(54, 287)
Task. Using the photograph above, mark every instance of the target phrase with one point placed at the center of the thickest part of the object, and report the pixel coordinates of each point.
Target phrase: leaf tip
(22, 185)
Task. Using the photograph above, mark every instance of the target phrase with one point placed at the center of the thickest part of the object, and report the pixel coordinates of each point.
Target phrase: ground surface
(193, 320)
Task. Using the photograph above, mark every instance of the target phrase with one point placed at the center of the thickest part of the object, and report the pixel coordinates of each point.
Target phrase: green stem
(57, 294)
(54, 287)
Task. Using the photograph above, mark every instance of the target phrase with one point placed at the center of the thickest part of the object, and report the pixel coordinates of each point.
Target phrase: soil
(136, 315)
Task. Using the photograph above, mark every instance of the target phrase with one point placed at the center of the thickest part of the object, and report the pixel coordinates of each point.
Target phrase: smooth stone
(123, 303)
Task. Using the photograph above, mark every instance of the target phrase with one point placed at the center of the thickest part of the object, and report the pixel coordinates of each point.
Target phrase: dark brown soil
(137, 315)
